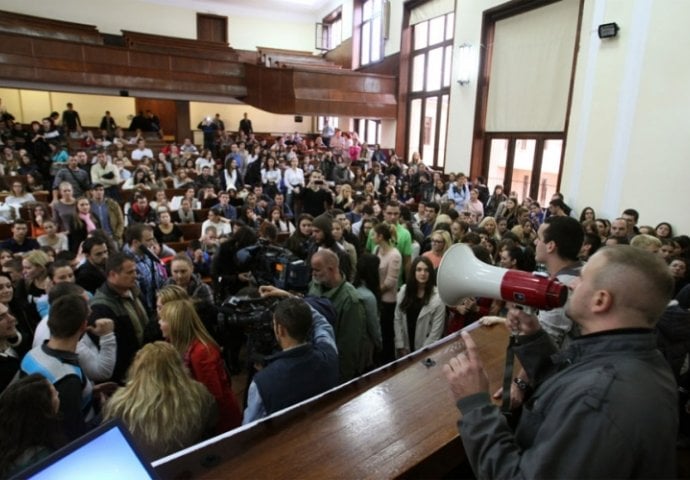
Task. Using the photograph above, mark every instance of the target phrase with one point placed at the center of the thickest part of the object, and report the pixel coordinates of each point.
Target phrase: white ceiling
(305, 10)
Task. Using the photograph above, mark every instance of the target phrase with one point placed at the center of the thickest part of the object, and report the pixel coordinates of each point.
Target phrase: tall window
(371, 32)
(330, 31)
(332, 121)
(369, 131)
(430, 71)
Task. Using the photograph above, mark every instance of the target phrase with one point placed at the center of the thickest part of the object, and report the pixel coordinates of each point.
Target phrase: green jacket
(350, 327)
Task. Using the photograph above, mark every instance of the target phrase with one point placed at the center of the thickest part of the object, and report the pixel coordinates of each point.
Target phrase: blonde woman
(440, 242)
(182, 327)
(490, 227)
(162, 407)
(35, 273)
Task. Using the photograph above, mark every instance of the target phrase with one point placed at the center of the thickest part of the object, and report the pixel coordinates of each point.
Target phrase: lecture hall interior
(585, 97)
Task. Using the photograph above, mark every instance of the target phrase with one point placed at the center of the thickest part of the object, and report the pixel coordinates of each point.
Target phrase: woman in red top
(183, 328)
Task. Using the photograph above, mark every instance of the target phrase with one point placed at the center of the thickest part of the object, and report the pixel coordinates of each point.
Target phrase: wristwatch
(521, 384)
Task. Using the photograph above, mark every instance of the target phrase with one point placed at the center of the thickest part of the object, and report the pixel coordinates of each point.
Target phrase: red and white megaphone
(462, 275)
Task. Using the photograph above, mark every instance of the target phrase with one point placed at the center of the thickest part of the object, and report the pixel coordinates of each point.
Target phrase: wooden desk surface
(382, 425)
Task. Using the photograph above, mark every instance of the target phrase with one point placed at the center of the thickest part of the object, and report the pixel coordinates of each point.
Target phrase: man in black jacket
(91, 274)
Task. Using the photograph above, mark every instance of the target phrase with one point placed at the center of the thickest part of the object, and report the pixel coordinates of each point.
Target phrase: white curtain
(431, 9)
(531, 65)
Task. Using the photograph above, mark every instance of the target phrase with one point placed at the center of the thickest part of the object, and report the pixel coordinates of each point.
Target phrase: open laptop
(107, 452)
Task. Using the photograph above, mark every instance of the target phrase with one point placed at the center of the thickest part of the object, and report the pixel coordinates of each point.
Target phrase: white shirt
(139, 153)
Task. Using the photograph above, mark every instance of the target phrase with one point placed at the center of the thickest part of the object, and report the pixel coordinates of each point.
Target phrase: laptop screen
(108, 452)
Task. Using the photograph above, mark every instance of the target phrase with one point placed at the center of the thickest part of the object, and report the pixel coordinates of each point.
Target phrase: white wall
(628, 139)
(158, 19)
(262, 121)
(111, 17)
(468, 25)
(29, 105)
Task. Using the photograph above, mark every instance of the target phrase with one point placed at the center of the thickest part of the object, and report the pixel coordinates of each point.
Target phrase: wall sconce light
(464, 64)
(608, 30)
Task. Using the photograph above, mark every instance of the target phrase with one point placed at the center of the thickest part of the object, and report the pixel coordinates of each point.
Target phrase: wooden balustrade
(54, 53)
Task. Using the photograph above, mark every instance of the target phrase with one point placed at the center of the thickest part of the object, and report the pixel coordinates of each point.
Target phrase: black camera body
(273, 265)
(253, 315)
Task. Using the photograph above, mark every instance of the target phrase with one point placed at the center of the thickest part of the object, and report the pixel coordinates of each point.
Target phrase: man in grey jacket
(604, 407)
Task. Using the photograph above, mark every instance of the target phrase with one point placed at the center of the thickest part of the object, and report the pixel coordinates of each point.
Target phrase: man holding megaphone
(603, 407)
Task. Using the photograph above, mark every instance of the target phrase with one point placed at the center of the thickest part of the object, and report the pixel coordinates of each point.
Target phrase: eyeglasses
(435, 240)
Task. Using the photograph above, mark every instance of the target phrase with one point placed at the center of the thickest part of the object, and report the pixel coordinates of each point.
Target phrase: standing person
(316, 197)
(459, 192)
(403, 239)
(161, 406)
(306, 366)
(58, 361)
(71, 123)
(108, 212)
(389, 272)
(350, 323)
(182, 327)
(367, 284)
(10, 338)
(79, 179)
(420, 315)
(440, 243)
(105, 173)
(611, 384)
(83, 223)
(151, 273)
(90, 275)
(246, 125)
(117, 300)
(108, 123)
(327, 133)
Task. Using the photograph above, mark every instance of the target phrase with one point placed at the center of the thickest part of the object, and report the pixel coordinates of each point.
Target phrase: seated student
(163, 408)
(307, 365)
(58, 361)
(20, 242)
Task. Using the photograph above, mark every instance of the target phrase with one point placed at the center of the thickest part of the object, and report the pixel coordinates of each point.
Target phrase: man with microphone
(605, 406)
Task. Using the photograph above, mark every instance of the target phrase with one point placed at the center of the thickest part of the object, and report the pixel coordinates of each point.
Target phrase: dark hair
(91, 242)
(594, 241)
(482, 254)
(634, 213)
(57, 264)
(136, 232)
(67, 315)
(64, 289)
(567, 234)
(411, 284)
(27, 420)
(367, 274)
(268, 230)
(295, 316)
(433, 205)
(584, 211)
(65, 255)
(116, 260)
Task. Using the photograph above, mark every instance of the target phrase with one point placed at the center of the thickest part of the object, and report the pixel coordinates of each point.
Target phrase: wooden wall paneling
(212, 28)
(44, 27)
(166, 110)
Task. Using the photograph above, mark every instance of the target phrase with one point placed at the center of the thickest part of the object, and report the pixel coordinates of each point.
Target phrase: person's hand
(521, 322)
(102, 326)
(465, 372)
(517, 396)
(245, 277)
(271, 291)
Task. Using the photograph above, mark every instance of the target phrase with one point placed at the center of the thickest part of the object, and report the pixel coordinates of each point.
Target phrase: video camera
(254, 315)
(273, 265)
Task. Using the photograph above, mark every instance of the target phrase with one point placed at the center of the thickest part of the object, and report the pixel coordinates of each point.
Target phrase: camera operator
(307, 364)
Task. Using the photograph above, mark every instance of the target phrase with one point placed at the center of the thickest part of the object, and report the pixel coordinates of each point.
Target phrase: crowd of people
(104, 300)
